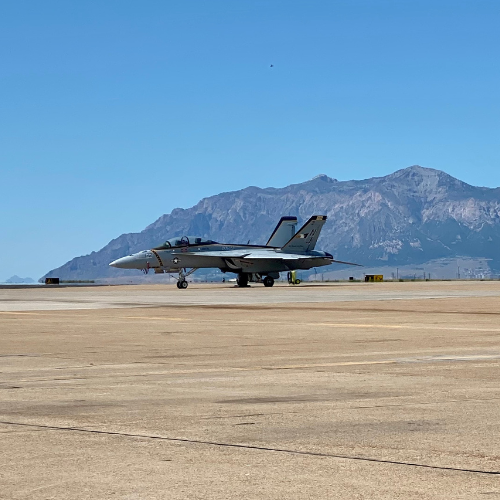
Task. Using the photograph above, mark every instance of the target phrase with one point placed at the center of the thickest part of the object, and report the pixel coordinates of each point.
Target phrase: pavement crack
(252, 447)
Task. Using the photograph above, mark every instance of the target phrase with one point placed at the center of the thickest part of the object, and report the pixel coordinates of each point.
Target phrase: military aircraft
(284, 251)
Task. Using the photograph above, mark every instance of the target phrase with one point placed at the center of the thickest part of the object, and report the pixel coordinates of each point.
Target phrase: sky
(113, 113)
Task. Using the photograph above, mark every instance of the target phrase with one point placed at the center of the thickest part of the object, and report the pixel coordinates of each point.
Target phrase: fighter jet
(284, 251)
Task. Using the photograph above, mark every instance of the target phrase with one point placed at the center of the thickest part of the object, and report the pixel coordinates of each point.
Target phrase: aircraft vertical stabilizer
(306, 237)
(283, 232)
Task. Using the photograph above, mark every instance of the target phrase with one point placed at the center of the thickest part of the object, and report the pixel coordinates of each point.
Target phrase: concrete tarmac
(33, 298)
(384, 390)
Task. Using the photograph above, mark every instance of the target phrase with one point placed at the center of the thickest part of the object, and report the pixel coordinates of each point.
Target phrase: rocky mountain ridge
(409, 217)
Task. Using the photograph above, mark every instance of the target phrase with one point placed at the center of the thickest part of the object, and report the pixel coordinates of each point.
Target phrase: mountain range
(410, 217)
(17, 279)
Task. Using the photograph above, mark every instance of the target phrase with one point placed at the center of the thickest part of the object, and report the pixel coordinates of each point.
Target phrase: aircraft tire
(297, 282)
(268, 281)
(242, 279)
(182, 284)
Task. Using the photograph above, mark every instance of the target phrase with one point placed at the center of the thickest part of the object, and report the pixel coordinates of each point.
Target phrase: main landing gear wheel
(268, 281)
(182, 284)
(242, 279)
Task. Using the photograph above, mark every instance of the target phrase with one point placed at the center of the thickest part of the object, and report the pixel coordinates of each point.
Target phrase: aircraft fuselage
(269, 259)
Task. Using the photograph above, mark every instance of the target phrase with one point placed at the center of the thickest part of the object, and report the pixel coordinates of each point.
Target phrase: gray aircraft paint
(251, 260)
(283, 232)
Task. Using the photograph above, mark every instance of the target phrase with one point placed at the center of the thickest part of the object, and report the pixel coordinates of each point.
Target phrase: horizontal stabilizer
(348, 263)
(306, 237)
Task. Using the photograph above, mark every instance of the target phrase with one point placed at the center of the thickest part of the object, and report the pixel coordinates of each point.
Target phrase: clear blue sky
(115, 112)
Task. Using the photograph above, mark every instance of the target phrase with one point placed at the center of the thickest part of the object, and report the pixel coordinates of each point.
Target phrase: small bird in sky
(272, 66)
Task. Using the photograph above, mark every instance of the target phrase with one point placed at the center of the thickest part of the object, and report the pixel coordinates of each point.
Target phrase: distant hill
(17, 279)
(412, 216)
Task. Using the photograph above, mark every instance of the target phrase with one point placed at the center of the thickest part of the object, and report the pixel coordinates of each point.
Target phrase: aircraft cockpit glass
(184, 241)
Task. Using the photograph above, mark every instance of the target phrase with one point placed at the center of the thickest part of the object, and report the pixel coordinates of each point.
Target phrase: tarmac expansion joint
(252, 447)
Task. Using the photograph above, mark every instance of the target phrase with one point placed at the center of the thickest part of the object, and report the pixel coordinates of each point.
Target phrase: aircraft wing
(249, 254)
(262, 255)
(233, 254)
(293, 256)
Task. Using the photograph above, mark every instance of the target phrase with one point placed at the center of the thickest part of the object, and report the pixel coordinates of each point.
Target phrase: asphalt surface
(343, 391)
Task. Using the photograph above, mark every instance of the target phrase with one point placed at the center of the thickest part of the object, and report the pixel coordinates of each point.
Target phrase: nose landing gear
(182, 284)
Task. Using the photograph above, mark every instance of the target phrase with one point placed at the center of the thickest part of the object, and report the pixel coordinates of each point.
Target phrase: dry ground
(333, 398)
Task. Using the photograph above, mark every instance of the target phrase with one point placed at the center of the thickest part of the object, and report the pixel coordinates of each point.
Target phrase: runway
(329, 391)
(103, 297)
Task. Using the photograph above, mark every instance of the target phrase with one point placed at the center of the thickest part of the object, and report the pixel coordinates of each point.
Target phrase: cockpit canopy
(184, 241)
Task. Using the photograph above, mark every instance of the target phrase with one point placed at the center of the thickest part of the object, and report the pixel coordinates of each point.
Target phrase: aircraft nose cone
(123, 263)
